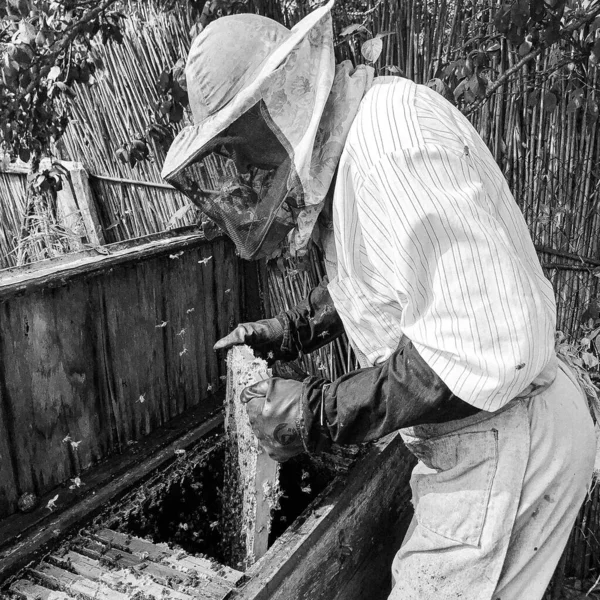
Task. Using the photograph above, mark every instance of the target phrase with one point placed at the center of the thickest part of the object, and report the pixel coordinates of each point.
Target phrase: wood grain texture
(32, 591)
(24, 536)
(341, 548)
(58, 271)
(105, 351)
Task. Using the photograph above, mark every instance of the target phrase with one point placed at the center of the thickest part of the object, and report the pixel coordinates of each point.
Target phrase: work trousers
(495, 497)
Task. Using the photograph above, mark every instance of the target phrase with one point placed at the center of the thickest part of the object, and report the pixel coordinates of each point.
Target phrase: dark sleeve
(311, 324)
(369, 403)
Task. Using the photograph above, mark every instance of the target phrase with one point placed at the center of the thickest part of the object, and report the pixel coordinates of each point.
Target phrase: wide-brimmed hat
(226, 68)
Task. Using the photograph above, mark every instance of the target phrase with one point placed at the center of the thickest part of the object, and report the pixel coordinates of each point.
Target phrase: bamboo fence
(115, 110)
(550, 157)
(13, 192)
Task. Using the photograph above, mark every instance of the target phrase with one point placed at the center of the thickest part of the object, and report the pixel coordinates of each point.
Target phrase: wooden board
(180, 579)
(113, 566)
(97, 352)
(341, 548)
(32, 591)
(258, 472)
(56, 272)
(23, 536)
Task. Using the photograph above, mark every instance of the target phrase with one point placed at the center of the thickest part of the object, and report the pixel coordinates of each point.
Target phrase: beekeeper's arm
(290, 417)
(306, 327)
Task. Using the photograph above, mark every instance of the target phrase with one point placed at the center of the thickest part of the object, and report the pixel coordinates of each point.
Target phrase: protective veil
(240, 62)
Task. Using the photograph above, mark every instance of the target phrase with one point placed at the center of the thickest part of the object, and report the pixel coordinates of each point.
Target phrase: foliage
(567, 29)
(582, 355)
(46, 47)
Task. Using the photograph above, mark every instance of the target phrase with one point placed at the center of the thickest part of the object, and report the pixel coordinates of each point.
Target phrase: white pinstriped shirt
(431, 245)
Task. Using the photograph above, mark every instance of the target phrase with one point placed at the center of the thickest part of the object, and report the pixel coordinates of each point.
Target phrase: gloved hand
(264, 337)
(275, 413)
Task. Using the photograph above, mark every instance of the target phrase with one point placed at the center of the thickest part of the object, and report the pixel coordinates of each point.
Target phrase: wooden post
(258, 474)
(76, 202)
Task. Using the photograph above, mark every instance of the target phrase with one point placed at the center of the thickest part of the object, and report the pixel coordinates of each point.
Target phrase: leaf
(352, 29)
(384, 34)
(164, 81)
(176, 113)
(122, 155)
(533, 98)
(24, 154)
(393, 69)
(165, 107)
(595, 53)
(40, 38)
(551, 33)
(476, 86)
(502, 18)
(371, 49)
(480, 59)
(519, 13)
(178, 214)
(550, 101)
(515, 34)
(22, 55)
(27, 32)
(195, 30)
(441, 88)
(525, 48)
(54, 73)
(537, 10)
(496, 47)
(589, 360)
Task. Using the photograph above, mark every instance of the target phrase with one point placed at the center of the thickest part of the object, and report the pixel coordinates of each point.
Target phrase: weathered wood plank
(162, 553)
(228, 290)
(87, 368)
(58, 271)
(213, 570)
(189, 309)
(86, 203)
(343, 547)
(136, 349)
(32, 591)
(94, 570)
(22, 536)
(48, 373)
(259, 474)
(184, 581)
(75, 584)
(9, 489)
(211, 278)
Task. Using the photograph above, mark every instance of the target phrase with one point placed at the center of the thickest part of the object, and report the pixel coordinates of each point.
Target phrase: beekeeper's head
(258, 92)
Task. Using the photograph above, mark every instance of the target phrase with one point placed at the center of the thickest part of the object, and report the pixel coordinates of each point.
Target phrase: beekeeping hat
(242, 61)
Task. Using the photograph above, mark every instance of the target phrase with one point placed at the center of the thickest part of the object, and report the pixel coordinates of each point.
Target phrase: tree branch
(68, 39)
(528, 58)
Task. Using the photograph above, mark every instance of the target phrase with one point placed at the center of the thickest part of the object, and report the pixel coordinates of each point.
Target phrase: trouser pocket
(452, 484)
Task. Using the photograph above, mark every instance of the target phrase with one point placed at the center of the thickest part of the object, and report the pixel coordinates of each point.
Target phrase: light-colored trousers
(496, 496)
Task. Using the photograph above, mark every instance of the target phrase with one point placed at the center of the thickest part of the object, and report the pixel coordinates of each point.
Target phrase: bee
(52, 503)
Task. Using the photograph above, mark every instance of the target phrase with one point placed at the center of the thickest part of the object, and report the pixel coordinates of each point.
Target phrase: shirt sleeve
(475, 303)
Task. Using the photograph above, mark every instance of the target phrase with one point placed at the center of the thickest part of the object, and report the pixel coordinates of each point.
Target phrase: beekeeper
(433, 277)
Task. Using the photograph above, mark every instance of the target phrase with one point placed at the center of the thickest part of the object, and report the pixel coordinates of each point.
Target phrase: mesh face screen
(255, 210)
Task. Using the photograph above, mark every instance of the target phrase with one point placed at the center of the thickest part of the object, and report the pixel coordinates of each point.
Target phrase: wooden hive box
(340, 548)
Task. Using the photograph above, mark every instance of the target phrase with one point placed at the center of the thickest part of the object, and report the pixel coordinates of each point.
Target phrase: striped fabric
(431, 245)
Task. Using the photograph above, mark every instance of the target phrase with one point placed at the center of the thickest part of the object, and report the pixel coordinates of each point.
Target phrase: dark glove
(275, 412)
(264, 337)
